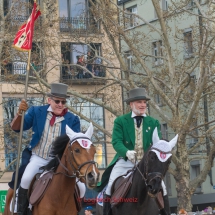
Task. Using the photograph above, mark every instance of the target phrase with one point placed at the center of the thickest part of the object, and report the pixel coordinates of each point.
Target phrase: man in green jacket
(132, 135)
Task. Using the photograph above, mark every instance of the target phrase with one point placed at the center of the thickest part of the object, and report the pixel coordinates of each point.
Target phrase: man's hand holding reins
(131, 155)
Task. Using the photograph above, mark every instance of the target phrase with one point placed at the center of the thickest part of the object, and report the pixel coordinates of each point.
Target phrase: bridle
(146, 176)
(75, 171)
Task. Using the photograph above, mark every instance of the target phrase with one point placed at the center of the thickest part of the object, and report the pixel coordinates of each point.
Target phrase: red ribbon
(52, 121)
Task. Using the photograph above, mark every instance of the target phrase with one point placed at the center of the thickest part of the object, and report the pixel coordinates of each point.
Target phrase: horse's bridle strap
(79, 138)
(64, 167)
(160, 150)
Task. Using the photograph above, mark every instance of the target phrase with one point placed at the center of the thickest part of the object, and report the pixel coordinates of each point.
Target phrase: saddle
(39, 185)
(122, 184)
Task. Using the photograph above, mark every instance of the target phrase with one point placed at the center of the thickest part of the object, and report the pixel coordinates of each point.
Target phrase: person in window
(80, 61)
(132, 136)
(89, 64)
(47, 122)
(97, 71)
(72, 72)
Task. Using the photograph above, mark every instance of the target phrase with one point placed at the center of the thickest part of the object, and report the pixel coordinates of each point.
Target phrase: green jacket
(123, 139)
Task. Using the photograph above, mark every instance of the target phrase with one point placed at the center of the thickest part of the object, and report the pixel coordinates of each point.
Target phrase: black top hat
(58, 90)
(136, 94)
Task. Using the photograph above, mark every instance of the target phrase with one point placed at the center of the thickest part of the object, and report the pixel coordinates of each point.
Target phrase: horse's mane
(58, 147)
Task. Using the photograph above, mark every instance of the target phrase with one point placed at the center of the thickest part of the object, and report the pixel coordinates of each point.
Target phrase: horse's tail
(9, 198)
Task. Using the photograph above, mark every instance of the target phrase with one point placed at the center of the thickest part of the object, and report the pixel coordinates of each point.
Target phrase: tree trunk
(183, 195)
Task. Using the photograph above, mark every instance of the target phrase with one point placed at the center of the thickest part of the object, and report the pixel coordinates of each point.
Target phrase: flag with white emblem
(24, 37)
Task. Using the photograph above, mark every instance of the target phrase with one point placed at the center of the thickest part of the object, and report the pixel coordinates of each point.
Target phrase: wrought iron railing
(17, 71)
(79, 24)
(75, 72)
(14, 22)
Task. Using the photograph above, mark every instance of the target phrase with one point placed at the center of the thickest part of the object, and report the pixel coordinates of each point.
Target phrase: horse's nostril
(149, 187)
(90, 175)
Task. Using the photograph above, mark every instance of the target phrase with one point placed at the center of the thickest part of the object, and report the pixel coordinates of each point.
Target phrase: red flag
(24, 37)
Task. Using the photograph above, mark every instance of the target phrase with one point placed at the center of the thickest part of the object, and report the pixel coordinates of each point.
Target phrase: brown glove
(16, 123)
(23, 106)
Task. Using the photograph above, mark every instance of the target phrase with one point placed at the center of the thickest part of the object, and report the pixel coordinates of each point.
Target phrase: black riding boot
(22, 202)
(166, 204)
(106, 205)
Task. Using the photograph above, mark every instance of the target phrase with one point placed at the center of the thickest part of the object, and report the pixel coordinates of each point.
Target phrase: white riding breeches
(33, 168)
(120, 168)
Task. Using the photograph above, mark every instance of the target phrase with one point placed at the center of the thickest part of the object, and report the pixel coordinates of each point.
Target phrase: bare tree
(180, 72)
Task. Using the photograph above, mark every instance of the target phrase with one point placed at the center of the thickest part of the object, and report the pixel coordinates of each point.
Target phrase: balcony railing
(13, 23)
(78, 24)
(76, 75)
(17, 71)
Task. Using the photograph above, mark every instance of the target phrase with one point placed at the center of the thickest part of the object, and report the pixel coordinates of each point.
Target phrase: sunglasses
(59, 101)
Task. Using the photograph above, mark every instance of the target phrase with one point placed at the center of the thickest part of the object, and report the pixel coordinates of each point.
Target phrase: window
(188, 43)
(20, 8)
(72, 8)
(157, 52)
(71, 54)
(195, 172)
(11, 138)
(131, 19)
(158, 100)
(96, 114)
(128, 60)
(190, 4)
(14, 62)
(193, 139)
(164, 7)
(164, 131)
(75, 15)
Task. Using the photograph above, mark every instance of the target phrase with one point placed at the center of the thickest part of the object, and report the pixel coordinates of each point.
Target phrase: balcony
(13, 23)
(75, 75)
(80, 25)
(16, 71)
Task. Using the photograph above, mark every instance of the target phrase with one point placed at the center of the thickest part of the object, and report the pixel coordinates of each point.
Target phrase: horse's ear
(70, 133)
(155, 137)
(89, 131)
(173, 141)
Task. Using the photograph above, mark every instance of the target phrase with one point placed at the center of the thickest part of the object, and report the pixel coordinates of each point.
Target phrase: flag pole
(21, 132)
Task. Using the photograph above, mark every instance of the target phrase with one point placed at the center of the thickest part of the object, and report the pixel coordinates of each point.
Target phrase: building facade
(69, 47)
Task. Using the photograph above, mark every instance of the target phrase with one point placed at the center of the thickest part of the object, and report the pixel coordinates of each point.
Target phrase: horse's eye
(77, 150)
(152, 157)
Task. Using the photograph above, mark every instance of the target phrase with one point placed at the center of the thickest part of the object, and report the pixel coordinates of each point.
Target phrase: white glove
(164, 188)
(131, 155)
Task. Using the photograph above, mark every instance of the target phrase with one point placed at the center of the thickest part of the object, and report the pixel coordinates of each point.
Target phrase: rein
(156, 174)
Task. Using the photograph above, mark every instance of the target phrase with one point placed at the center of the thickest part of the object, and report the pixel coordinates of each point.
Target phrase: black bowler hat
(58, 90)
(137, 94)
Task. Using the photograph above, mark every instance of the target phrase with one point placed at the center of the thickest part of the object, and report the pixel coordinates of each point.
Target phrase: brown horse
(72, 161)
